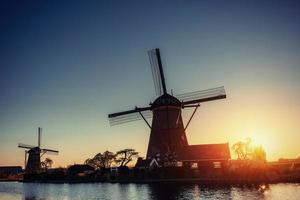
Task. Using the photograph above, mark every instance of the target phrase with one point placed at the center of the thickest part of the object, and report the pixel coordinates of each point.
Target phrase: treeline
(108, 159)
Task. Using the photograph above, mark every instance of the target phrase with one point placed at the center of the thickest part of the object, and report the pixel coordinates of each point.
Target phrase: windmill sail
(157, 72)
(39, 136)
(202, 96)
(129, 116)
(25, 146)
(50, 151)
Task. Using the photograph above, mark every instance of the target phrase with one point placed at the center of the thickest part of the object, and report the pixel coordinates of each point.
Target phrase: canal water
(107, 191)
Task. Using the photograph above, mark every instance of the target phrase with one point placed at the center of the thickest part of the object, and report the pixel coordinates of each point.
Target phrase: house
(11, 170)
(205, 157)
(285, 166)
(146, 164)
(79, 170)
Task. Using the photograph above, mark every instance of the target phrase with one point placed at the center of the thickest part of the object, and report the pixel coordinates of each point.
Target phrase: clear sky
(65, 66)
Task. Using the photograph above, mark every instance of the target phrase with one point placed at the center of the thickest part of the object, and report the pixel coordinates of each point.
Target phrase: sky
(65, 65)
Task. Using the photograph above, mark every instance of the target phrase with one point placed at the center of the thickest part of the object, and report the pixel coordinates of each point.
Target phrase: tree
(242, 149)
(245, 150)
(47, 163)
(101, 160)
(125, 156)
(238, 149)
(91, 162)
(107, 159)
(259, 154)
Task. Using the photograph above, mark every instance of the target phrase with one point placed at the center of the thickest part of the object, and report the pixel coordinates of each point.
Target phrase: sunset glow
(66, 69)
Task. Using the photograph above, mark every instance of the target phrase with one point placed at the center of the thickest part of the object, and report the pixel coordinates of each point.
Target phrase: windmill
(167, 137)
(33, 164)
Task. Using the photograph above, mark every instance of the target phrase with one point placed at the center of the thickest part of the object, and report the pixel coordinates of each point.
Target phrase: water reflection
(173, 191)
(107, 191)
(135, 191)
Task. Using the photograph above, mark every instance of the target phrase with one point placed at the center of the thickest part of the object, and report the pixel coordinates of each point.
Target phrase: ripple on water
(108, 191)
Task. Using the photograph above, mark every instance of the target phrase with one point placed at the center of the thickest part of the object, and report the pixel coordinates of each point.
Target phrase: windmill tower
(33, 164)
(168, 136)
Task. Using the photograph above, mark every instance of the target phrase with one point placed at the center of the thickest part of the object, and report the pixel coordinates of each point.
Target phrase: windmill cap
(35, 150)
(166, 100)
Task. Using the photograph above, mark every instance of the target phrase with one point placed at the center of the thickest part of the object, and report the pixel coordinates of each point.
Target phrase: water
(107, 191)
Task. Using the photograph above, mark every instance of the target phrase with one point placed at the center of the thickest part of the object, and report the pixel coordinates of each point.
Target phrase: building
(79, 170)
(11, 170)
(205, 156)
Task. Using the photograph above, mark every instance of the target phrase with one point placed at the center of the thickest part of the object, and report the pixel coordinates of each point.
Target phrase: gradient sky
(65, 66)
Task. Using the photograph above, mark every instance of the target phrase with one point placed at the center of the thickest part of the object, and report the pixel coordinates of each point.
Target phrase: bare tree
(125, 156)
(47, 163)
(91, 162)
(239, 150)
(101, 160)
(108, 158)
(245, 150)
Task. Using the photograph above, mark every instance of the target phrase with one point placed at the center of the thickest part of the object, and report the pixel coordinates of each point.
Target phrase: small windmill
(33, 164)
(167, 135)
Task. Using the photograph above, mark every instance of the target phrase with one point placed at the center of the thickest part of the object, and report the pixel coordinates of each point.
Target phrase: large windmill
(167, 137)
(33, 164)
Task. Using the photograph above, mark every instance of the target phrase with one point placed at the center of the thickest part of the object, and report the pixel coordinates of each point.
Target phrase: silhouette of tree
(101, 160)
(245, 150)
(47, 163)
(108, 158)
(91, 162)
(123, 157)
(238, 149)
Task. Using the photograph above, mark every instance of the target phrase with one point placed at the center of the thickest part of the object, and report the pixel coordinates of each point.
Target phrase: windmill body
(34, 160)
(33, 163)
(167, 135)
(168, 138)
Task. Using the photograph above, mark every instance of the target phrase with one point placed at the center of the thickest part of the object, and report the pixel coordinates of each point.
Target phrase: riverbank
(240, 173)
(203, 181)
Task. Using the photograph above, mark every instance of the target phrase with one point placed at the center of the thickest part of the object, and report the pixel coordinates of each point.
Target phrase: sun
(261, 138)
(260, 141)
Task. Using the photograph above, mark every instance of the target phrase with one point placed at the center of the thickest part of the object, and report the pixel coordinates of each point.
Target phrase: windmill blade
(25, 161)
(157, 72)
(39, 136)
(25, 146)
(134, 116)
(136, 110)
(50, 151)
(202, 96)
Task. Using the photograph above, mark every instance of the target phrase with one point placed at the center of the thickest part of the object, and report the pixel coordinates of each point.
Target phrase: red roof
(205, 152)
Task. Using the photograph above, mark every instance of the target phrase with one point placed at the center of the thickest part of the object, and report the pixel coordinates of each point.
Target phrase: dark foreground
(166, 175)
